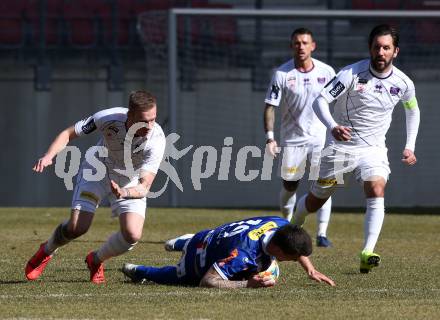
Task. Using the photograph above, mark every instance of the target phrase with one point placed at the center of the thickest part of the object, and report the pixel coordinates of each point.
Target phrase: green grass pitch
(405, 286)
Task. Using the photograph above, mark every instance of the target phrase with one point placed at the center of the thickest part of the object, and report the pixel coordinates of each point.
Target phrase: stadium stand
(12, 24)
(47, 17)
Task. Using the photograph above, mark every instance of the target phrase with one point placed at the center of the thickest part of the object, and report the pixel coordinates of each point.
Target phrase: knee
(313, 203)
(375, 191)
(131, 236)
(290, 186)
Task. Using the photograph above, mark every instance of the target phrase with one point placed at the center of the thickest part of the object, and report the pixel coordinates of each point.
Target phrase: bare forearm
(141, 190)
(60, 142)
(306, 263)
(269, 118)
(212, 281)
(137, 192)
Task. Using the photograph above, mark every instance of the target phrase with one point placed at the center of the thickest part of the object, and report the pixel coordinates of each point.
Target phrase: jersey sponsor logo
(257, 233)
(337, 89)
(88, 127)
(378, 88)
(274, 92)
(394, 91)
(321, 80)
(306, 81)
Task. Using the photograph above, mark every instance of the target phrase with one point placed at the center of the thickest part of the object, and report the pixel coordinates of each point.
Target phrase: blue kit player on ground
(232, 255)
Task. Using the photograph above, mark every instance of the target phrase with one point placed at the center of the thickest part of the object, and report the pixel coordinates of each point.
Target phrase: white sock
(57, 239)
(373, 222)
(115, 246)
(323, 218)
(287, 203)
(299, 217)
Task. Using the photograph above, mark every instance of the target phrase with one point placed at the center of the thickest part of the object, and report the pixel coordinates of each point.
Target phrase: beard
(380, 64)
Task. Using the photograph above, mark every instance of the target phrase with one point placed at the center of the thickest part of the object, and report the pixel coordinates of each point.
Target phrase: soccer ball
(273, 270)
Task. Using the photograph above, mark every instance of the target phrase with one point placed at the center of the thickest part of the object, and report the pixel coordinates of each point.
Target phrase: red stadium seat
(125, 22)
(427, 30)
(83, 18)
(12, 23)
(224, 29)
(52, 23)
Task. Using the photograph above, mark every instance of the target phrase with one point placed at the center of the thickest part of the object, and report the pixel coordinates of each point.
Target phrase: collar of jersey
(266, 238)
(380, 75)
(308, 71)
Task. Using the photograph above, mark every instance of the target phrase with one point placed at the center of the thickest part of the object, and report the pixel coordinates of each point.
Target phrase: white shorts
(293, 164)
(87, 196)
(336, 167)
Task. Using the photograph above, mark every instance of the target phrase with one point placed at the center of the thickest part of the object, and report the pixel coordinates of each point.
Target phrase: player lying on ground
(232, 255)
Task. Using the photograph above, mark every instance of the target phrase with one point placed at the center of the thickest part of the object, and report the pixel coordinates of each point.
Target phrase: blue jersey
(235, 250)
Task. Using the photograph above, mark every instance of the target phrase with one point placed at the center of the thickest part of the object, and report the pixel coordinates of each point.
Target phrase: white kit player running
(130, 151)
(366, 93)
(294, 87)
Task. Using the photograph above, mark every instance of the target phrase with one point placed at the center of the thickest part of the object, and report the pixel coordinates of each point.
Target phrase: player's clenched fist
(409, 157)
(341, 133)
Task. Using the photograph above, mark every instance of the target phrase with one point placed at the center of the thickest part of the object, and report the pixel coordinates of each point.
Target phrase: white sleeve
(412, 126)
(322, 109)
(275, 90)
(412, 113)
(85, 126)
(155, 155)
(338, 85)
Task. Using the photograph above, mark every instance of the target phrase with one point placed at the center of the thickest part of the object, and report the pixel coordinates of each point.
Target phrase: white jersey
(295, 92)
(365, 102)
(111, 124)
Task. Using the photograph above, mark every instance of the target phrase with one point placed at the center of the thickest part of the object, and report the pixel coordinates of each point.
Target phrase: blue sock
(164, 275)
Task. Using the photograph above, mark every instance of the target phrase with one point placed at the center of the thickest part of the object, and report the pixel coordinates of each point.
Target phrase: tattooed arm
(212, 279)
(136, 192)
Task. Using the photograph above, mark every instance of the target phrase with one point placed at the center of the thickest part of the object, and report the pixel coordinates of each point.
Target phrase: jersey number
(241, 226)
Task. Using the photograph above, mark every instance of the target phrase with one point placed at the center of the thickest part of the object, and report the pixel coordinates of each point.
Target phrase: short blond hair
(141, 100)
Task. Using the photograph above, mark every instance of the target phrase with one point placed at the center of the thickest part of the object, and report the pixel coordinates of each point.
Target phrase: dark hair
(141, 100)
(301, 31)
(383, 30)
(293, 240)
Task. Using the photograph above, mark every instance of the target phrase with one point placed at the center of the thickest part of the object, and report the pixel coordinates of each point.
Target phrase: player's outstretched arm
(313, 273)
(212, 279)
(59, 143)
